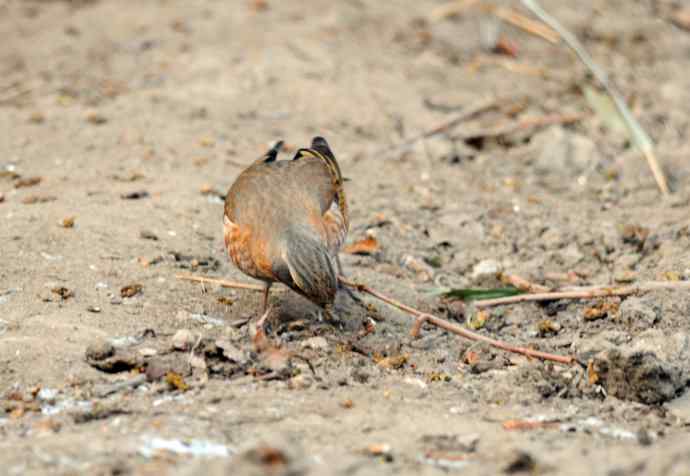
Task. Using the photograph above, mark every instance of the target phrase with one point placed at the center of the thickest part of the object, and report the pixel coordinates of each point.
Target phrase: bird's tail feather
(310, 267)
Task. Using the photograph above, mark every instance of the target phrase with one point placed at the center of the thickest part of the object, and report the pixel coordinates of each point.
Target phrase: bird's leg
(267, 288)
(267, 309)
(331, 317)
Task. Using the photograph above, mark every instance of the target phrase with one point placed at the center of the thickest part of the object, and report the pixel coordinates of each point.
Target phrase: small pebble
(147, 352)
(183, 340)
(94, 309)
(316, 343)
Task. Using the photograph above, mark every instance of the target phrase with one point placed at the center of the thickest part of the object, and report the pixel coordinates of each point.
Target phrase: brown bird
(285, 221)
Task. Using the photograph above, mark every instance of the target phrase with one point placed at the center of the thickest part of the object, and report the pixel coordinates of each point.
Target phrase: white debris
(201, 448)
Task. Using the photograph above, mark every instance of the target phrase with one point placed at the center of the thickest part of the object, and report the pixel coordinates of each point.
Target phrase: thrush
(286, 220)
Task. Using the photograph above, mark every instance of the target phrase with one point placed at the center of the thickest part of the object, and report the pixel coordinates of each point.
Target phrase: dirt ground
(124, 123)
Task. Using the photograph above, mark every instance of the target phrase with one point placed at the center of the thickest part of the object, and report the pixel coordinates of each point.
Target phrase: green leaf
(470, 294)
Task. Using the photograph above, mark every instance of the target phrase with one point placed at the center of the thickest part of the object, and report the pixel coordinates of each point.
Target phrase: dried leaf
(393, 362)
(439, 377)
(600, 310)
(347, 404)
(131, 290)
(366, 246)
(67, 222)
(379, 449)
(471, 357)
(547, 326)
(176, 381)
(63, 292)
(592, 374)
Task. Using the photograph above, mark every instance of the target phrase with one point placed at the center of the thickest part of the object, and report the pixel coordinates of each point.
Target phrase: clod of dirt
(638, 376)
(520, 462)
(139, 194)
(639, 313)
(148, 235)
(563, 152)
(105, 357)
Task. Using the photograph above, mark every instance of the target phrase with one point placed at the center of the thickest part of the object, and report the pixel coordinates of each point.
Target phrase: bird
(286, 220)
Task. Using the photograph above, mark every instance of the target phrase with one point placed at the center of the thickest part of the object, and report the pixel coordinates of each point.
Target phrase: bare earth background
(105, 99)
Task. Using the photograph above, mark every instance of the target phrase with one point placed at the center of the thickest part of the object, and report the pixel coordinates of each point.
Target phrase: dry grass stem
(588, 292)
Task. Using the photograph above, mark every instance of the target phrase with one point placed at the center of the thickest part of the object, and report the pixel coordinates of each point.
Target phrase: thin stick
(526, 24)
(221, 282)
(522, 284)
(453, 328)
(464, 115)
(641, 138)
(421, 318)
(590, 292)
(524, 124)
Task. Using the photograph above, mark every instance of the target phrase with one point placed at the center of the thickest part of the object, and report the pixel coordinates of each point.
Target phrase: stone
(183, 340)
(563, 152)
(487, 267)
(316, 343)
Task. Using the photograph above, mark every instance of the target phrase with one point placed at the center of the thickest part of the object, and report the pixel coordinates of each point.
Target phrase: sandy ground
(137, 116)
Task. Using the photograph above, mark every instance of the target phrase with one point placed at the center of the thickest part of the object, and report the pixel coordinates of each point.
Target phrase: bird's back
(281, 226)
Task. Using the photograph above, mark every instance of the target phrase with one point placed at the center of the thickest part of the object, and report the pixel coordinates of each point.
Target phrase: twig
(104, 390)
(641, 138)
(445, 126)
(522, 284)
(532, 122)
(221, 282)
(508, 64)
(526, 24)
(453, 328)
(590, 292)
(9, 98)
(421, 318)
